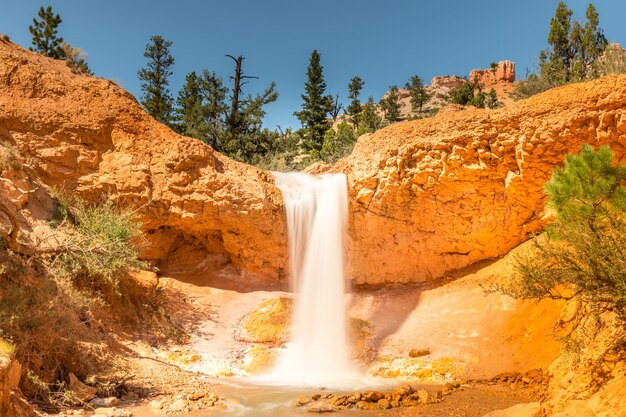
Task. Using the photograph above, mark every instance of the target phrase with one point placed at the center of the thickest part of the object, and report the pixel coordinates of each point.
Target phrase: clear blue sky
(384, 42)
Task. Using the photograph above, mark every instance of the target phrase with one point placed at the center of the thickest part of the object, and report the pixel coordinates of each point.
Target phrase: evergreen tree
(190, 111)
(391, 105)
(44, 34)
(315, 106)
(556, 64)
(156, 98)
(583, 251)
(419, 96)
(249, 139)
(462, 95)
(354, 91)
(593, 42)
(369, 120)
(338, 144)
(214, 108)
(491, 101)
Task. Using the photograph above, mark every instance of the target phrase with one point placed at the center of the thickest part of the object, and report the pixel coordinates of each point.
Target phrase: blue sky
(384, 42)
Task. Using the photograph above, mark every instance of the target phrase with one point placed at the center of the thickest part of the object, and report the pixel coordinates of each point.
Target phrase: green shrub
(338, 144)
(582, 254)
(533, 84)
(613, 61)
(99, 247)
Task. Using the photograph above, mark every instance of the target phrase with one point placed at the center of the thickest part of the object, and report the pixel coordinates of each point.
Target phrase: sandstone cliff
(433, 195)
(86, 135)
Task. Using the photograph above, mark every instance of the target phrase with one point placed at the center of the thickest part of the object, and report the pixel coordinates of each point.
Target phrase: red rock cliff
(432, 195)
(88, 136)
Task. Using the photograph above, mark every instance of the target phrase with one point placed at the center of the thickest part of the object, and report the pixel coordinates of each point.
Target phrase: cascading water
(316, 209)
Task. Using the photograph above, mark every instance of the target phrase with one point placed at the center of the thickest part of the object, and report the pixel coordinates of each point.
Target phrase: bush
(338, 144)
(613, 61)
(99, 246)
(582, 254)
(533, 84)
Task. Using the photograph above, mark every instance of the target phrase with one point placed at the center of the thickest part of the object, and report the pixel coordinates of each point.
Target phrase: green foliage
(462, 95)
(391, 105)
(491, 100)
(156, 98)
(99, 247)
(338, 144)
(419, 96)
(354, 91)
(249, 139)
(75, 58)
(583, 253)
(315, 106)
(369, 120)
(573, 50)
(612, 61)
(533, 84)
(189, 113)
(44, 32)
(471, 94)
(283, 155)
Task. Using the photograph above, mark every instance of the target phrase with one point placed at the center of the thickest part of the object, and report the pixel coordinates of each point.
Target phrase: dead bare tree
(234, 117)
(336, 107)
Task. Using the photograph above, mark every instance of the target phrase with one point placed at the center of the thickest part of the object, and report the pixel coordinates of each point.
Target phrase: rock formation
(87, 136)
(427, 196)
(433, 195)
(502, 72)
(500, 77)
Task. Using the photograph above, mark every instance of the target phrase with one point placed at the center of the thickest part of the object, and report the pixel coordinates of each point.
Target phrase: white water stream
(318, 352)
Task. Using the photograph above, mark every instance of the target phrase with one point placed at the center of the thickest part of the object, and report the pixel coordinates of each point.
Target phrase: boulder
(268, 322)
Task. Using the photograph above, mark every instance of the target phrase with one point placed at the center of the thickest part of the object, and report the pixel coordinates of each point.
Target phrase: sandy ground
(482, 334)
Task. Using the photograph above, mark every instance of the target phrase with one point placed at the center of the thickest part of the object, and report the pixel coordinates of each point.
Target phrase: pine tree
(593, 42)
(491, 100)
(156, 97)
(214, 108)
(315, 106)
(462, 95)
(250, 140)
(557, 67)
(369, 120)
(354, 91)
(391, 105)
(44, 34)
(189, 111)
(584, 247)
(419, 96)
(338, 144)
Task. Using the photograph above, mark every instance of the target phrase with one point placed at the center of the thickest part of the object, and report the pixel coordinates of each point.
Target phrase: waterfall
(316, 211)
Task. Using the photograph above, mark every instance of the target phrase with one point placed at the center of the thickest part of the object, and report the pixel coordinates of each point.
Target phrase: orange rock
(88, 136)
(268, 323)
(434, 195)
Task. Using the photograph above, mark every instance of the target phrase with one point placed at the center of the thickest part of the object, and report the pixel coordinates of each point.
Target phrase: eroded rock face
(433, 195)
(87, 136)
(503, 72)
